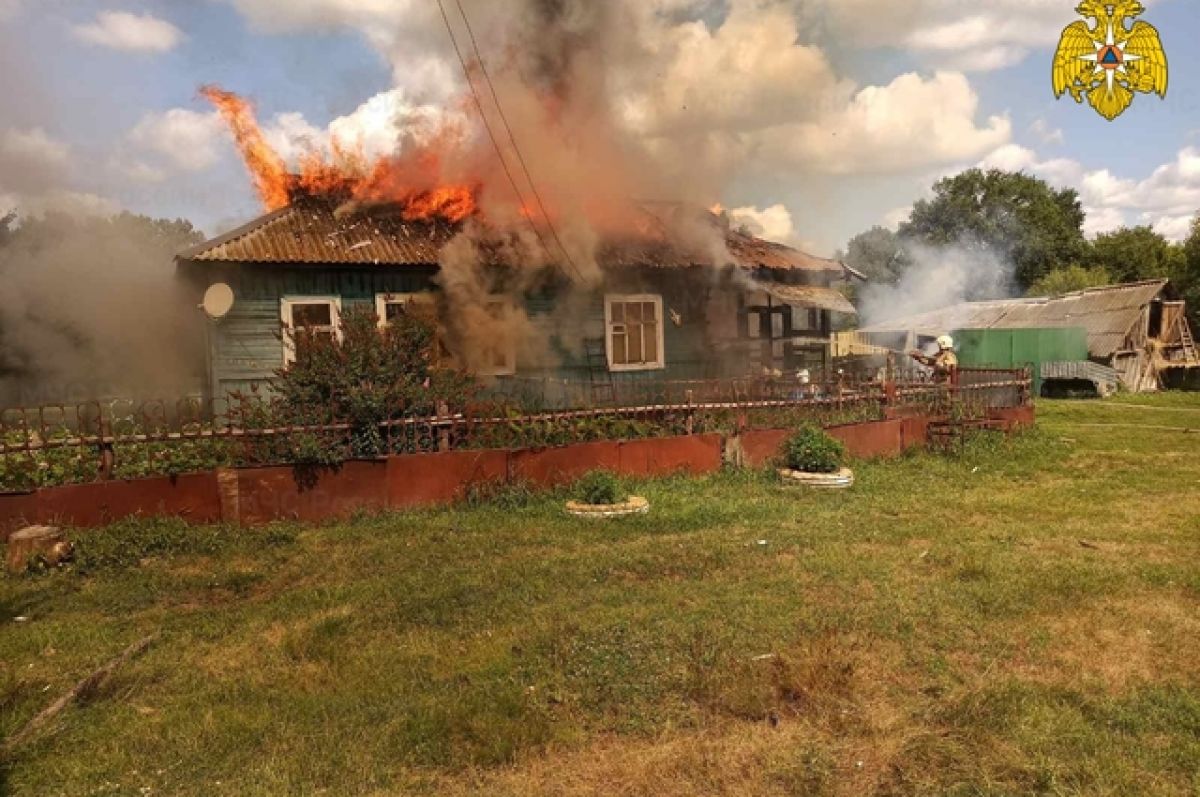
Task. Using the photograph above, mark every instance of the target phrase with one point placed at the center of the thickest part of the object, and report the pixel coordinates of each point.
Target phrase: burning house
(557, 279)
(661, 305)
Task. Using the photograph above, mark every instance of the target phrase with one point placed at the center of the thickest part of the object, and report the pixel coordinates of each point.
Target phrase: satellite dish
(218, 301)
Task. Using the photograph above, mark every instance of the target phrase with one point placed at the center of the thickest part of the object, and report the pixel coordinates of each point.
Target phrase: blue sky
(846, 113)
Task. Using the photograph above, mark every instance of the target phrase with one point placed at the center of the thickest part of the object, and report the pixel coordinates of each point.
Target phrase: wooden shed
(1139, 329)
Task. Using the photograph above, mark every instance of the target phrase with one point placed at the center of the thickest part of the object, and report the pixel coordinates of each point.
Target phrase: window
(318, 314)
(635, 332)
(390, 305)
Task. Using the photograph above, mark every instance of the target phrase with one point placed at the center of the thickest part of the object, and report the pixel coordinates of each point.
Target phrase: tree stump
(47, 542)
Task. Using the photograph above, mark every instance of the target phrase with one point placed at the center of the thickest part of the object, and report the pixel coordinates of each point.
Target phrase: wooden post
(443, 416)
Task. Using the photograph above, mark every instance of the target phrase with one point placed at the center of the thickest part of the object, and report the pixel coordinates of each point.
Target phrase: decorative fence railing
(63, 444)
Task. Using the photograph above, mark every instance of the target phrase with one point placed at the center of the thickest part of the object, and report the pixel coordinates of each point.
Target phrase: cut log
(46, 542)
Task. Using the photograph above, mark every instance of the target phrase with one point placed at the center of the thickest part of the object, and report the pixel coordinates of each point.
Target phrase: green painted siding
(246, 348)
(1013, 348)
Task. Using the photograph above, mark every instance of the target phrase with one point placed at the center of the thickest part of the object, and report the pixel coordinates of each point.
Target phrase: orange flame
(410, 180)
(269, 171)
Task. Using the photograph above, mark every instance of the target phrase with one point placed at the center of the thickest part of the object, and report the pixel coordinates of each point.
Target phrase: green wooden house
(657, 312)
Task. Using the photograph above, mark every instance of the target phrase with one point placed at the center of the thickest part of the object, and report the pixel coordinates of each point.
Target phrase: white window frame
(382, 300)
(287, 303)
(634, 298)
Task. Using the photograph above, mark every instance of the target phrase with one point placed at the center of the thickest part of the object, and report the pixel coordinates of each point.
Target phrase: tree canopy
(1012, 215)
(878, 253)
(1134, 253)
(1070, 279)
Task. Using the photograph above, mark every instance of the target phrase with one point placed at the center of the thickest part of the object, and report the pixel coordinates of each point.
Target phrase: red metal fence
(65, 444)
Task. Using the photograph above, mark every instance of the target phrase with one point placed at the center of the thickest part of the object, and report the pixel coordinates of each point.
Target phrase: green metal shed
(1014, 348)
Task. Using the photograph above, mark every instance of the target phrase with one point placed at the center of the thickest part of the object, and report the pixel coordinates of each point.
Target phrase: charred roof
(315, 231)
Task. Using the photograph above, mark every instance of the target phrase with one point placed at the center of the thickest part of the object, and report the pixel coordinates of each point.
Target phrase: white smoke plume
(939, 277)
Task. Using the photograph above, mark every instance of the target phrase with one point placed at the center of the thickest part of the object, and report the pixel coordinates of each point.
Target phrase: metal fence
(57, 444)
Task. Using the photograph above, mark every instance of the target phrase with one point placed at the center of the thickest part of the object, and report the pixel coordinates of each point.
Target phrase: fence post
(443, 418)
(108, 455)
(691, 413)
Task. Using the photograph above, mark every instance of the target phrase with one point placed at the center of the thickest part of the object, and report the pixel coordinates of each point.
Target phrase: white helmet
(945, 343)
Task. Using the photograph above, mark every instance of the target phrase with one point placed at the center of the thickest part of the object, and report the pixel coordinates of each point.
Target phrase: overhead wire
(495, 141)
(512, 138)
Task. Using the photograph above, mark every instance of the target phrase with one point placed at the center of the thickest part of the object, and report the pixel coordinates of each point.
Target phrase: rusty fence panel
(73, 443)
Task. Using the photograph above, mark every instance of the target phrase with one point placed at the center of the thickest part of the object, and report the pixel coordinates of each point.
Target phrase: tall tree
(878, 253)
(1186, 275)
(1011, 215)
(1135, 253)
(1070, 279)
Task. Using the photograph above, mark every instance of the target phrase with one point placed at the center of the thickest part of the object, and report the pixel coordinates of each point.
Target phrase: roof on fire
(1108, 314)
(316, 232)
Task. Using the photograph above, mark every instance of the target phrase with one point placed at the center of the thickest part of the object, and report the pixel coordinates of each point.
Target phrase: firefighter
(944, 363)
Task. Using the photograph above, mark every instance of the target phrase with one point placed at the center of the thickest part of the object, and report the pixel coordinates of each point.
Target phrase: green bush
(811, 450)
(599, 488)
(366, 377)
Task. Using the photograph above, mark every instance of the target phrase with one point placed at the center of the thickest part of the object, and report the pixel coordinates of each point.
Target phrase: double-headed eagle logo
(1109, 62)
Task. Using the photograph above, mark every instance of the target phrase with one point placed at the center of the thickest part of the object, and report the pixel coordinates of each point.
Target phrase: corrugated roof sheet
(313, 231)
(1108, 314)
(809, 296)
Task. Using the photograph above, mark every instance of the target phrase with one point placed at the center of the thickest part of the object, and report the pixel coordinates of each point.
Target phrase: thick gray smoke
(939, 277)
(557, 66)
(91, 309)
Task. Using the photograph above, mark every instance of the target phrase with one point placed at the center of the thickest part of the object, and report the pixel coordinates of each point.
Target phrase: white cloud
(188, 140)
(1045, 133)
(30, 160)
(121, 30)
(953, 33)
(908, 125)
(380, 126)
(773, 223)
(1167, 199)
(897, 216)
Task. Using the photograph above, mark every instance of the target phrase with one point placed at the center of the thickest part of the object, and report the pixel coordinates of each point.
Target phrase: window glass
(306, 316)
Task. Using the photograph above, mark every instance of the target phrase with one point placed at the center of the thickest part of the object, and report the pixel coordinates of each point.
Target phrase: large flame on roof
(410, 180)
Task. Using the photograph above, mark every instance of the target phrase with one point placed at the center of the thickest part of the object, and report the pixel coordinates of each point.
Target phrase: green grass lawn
(1022, 619)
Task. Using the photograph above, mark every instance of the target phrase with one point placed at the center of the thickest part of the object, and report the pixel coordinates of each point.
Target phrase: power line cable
(492, 134)
(512, 138)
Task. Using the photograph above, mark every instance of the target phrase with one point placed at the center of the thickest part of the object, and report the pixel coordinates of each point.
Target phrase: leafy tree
(1070, 279)
(878, 253)
(1186, 274)
(1135, 253)
(1012, 215)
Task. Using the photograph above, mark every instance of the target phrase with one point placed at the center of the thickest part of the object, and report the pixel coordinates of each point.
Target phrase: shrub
(811, 450)
(366, 377)
(599, 488)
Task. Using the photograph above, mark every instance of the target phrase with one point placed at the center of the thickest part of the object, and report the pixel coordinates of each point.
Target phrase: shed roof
(315, 231)
(1108, 314)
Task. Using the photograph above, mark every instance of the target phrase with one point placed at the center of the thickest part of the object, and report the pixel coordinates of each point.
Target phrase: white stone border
(634, 506)
(842, 480)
